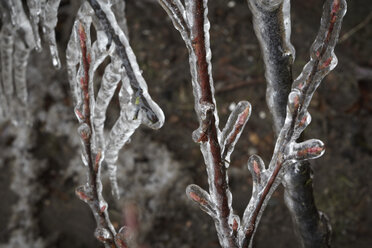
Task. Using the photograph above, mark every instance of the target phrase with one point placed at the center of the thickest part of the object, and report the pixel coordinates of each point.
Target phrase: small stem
(219, 187)
(101, 216)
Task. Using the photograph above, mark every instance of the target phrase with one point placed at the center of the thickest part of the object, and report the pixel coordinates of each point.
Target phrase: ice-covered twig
(290, 121)
(287, 152)
(91, 193)
(273, 27)
(84, 56)
(192, 22)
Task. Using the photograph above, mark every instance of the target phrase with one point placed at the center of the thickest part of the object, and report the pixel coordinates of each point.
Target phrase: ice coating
(49, 23)
(234, 128)
(272, 26)
(192, 22)
(16, 41)
(287, 152)
(84, 56)
(19, 35)
(34, 7)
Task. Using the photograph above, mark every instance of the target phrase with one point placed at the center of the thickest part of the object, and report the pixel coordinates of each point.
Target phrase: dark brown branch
(220, 186)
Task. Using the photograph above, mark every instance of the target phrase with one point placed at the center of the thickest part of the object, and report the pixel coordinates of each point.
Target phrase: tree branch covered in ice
(19, 35)
(192, 22)
(272, 26)
(84, 56)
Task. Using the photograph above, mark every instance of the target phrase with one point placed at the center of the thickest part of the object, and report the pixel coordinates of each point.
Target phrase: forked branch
(217, 146)
(84, 56)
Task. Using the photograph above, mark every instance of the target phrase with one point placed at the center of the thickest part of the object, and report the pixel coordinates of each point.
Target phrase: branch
(136, 106)
(207, 133)
(125, 53)
(272, 26)
(91, 193)
(287, 152)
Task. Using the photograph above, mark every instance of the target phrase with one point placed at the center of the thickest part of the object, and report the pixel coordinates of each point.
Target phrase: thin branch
(355, 29)
(218, 202)
(92, 192)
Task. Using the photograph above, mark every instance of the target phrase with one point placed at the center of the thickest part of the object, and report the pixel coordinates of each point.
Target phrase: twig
(355, 29)
(91, 193)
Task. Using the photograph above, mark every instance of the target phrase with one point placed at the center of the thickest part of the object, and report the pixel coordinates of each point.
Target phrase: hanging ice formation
(19, 35)
(136, 105)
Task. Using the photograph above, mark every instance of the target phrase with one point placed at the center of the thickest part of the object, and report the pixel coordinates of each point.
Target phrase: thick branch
(322, 61)
(273, 30)
(272, 27)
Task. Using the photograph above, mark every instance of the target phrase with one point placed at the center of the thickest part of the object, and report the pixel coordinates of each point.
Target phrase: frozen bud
(84, 193)
(201, 197)
(256, 166)
(102, 234)
(302, 122)
(84, 131)
(234, 222)
(205, 108)
(197, 194)
(79, 115)
(102, 206)
(200, 135)
(309, 149)
(235, 126)
(294, 100)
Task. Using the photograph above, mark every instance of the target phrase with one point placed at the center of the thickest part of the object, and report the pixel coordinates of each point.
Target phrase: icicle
(21, 55)
(34, 7)
(49, 23)
(110, 80)
(7, 49)
(121, 132)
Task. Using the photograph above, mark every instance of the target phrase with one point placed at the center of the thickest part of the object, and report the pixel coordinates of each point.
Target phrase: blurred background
(156, 166)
